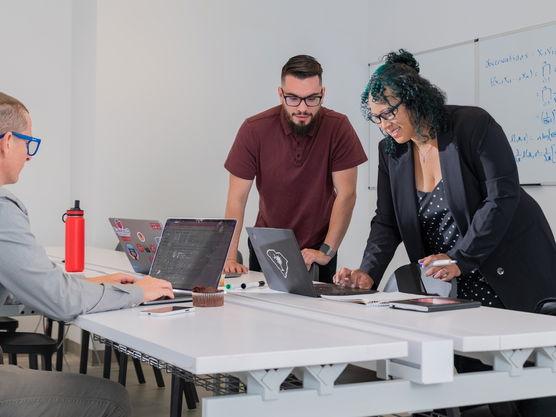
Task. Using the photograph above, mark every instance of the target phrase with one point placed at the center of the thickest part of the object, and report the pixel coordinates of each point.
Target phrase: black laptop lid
(281, 261)
(192, 252)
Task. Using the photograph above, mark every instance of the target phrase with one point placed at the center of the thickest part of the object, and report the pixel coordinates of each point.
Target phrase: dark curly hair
(424, 101)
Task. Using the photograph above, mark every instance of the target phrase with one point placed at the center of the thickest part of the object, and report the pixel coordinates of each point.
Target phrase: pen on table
(245, 285)
(441, 262)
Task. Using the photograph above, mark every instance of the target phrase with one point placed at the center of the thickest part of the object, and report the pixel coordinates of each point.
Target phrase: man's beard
(301, 129)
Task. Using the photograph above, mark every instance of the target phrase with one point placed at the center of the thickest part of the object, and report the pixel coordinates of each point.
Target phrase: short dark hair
(12, 114)
(425, 101)
(302, 66)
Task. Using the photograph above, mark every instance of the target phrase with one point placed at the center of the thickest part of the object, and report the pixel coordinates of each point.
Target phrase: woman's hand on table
(445, 272)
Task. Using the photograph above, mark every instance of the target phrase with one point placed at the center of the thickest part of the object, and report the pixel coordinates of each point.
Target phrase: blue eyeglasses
(32, 143)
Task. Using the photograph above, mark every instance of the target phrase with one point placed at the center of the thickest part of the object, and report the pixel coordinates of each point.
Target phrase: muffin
(207, 297)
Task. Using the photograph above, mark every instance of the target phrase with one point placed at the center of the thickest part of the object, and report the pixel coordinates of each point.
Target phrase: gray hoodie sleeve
(28, 274)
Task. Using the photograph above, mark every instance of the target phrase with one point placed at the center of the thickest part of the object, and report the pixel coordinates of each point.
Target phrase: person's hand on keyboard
(353, 279)
(155, 288)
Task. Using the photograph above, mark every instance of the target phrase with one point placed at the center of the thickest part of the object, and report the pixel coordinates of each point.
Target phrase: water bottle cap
(76, 206)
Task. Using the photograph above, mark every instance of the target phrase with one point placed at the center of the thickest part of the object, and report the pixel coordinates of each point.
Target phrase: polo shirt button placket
(298, 152)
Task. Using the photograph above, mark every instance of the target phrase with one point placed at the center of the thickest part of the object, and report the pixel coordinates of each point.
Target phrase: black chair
(27, 343)
(32, 344)
(8, 324)
(546, 306)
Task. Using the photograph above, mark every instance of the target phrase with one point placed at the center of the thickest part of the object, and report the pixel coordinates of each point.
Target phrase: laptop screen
(192, 252)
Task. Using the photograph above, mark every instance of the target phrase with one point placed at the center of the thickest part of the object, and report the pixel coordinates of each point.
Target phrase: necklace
(423, 156)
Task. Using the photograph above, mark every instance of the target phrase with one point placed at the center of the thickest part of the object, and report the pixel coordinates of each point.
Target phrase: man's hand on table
(233, 267)
(353, 279)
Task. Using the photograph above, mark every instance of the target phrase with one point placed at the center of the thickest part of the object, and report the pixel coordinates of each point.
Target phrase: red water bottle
(75, 238)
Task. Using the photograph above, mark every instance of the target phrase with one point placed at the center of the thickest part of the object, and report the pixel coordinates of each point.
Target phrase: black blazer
(504, 231)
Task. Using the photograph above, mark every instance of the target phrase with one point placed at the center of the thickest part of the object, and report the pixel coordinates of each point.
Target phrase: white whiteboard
(517, 86)
(513, 77)
(452, 69)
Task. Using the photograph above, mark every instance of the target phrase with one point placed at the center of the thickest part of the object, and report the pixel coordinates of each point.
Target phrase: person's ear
(6, 142)
(323, 93)
(280, 93)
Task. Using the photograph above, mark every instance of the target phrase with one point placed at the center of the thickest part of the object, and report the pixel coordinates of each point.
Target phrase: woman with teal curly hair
(448, 188)
(398, 81)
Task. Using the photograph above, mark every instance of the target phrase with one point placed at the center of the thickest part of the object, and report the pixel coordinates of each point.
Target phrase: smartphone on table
(167, 311)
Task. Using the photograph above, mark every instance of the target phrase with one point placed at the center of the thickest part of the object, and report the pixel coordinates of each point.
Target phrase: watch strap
(327, 250)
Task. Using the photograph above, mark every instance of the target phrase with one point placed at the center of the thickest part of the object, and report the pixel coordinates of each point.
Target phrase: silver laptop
(283, 266)
(139, 240)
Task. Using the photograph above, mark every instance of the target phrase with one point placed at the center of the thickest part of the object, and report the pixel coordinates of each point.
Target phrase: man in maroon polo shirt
(304, 159)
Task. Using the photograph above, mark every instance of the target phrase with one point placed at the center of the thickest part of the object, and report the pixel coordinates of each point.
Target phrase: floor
(150, 401)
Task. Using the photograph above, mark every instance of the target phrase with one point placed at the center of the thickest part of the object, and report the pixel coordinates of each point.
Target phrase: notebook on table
(283, 266)
(430, 304)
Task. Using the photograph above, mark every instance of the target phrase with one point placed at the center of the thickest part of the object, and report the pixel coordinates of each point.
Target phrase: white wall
(36, 69)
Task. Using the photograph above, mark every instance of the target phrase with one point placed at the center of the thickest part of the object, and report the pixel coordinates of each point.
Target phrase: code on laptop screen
(192, 252)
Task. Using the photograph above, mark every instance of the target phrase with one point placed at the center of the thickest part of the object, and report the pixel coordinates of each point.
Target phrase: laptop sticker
(132, 251)
(279, 261)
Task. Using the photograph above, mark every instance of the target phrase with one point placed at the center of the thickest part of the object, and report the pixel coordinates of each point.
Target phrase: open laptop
(191, 253)
(139, 240)
(283, 266)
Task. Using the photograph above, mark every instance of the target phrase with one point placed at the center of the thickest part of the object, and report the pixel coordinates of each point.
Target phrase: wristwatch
(327, 250)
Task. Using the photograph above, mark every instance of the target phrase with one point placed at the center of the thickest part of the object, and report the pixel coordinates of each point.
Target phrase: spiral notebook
(378, 299)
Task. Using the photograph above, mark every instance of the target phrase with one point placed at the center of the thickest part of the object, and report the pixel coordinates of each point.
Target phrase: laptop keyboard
(331, 289)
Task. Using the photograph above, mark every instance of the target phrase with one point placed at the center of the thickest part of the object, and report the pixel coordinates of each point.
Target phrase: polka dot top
(440, 234)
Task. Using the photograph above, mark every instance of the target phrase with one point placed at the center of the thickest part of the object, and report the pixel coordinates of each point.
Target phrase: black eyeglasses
(32, 143)
(294, 101)
(389, 114)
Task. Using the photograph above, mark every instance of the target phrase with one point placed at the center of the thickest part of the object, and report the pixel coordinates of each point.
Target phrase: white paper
(378, 299)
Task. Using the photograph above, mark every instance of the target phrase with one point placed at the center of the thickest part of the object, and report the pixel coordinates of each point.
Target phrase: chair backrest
(412, 279)
(407, 278)
(546, 306)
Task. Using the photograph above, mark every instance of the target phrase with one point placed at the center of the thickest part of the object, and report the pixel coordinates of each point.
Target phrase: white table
(263, 337)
